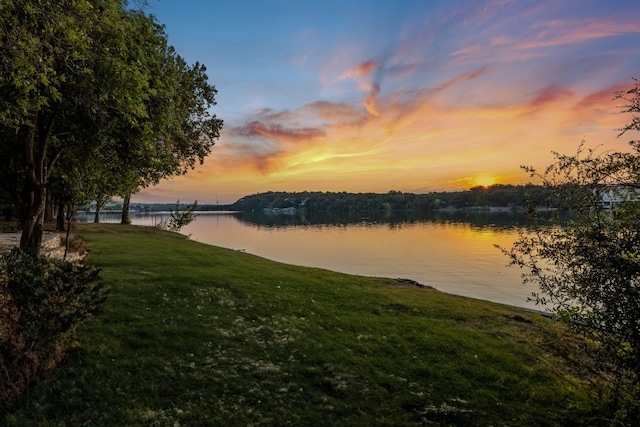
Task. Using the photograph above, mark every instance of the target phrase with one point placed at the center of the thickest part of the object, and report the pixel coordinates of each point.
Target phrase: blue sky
(399, 95)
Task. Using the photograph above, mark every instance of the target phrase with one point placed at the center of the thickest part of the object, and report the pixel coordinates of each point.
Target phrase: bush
(181, 218)
(42, 302)
(588, 270)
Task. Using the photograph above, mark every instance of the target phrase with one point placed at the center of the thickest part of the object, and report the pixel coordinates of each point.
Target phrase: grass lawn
(196, 335)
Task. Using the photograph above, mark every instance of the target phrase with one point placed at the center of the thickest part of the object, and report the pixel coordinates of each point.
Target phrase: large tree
(588, 271)
(178, 129)
(48, 86)
(85, 78)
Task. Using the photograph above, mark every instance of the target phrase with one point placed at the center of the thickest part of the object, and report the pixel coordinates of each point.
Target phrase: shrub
(588, 270)
(180, 218)
(42, 301)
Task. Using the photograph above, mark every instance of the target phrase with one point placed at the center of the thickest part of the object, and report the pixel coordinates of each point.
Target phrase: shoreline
(53, 246)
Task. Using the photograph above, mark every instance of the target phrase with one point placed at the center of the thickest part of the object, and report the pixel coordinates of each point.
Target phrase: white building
(618, 194)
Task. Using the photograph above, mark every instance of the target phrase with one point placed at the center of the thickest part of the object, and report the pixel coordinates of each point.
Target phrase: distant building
(280, 211)
(618, 194)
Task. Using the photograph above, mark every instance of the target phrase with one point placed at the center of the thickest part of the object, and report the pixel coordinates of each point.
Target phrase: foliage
(42, 302)
(92, 92)
(265, 343)
(587, 271)
(181, 217)
(177, 130)
(496, 195)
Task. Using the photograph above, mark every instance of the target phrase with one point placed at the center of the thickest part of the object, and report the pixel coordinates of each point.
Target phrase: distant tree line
(499, 195)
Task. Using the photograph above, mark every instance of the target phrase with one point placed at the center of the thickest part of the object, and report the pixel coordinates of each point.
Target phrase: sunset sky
(415, 96)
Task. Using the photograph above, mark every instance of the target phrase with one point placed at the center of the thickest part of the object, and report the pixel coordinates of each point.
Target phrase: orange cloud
(370, 101)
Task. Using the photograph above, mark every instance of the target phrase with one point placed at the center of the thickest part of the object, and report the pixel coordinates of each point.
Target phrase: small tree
(587, 271)
(180, 218)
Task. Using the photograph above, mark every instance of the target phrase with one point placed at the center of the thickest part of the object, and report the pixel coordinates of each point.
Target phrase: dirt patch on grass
(409, 282)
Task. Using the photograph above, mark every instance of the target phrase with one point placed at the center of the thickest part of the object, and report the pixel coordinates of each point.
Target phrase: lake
(453, 253)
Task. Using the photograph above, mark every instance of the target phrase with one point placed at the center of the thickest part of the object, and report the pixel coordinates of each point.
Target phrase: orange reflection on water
(453, 257)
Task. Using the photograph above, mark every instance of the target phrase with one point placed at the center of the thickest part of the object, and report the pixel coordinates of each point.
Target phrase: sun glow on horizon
(485, 180)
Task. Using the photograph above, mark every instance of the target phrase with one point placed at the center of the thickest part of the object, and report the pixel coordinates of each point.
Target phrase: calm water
(453, 254)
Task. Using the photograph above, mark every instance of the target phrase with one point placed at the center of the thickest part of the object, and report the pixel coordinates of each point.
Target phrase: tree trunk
(49, 208)
(60, 219)
(96, 218)
(125, 209)
(71, 212)
(37, 168)
(34, 192)
(31, 238)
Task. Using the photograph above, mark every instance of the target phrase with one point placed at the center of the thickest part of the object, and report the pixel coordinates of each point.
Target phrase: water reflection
(478, 219)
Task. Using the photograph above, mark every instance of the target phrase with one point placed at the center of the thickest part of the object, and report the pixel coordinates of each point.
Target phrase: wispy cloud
(276, 132)
(567, 32)
(361, 70)
(549, 95)
(601, 99)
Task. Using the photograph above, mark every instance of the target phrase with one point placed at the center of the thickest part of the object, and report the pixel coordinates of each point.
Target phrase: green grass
(198, 335)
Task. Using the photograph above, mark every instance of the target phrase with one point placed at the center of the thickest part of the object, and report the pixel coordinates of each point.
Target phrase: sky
(412, 96)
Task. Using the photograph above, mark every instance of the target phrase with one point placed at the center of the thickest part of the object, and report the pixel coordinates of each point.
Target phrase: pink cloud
(276, 131)
(363, 69)
(548, 95)
(463, 77)
(562, 32)
(601, 99)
